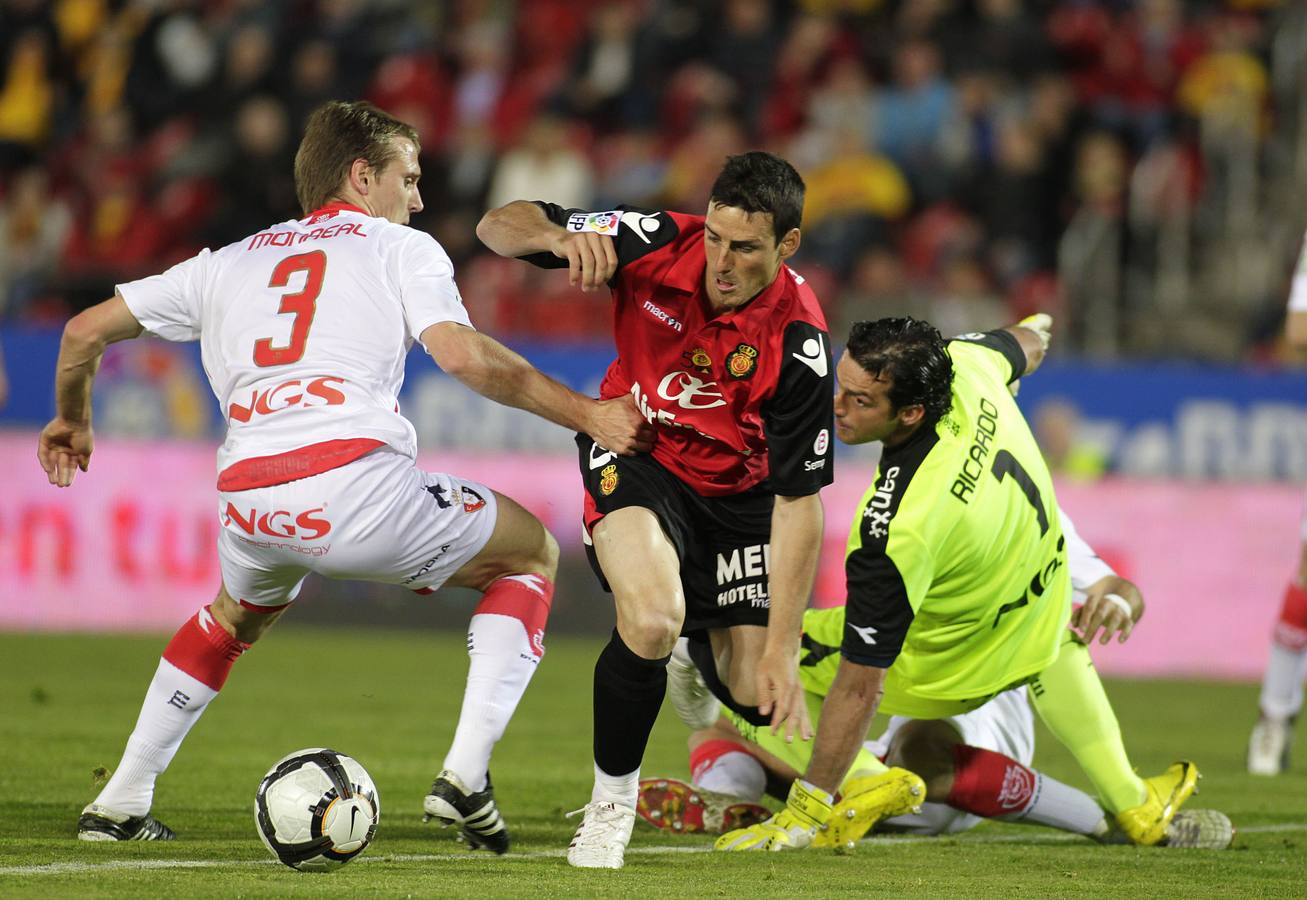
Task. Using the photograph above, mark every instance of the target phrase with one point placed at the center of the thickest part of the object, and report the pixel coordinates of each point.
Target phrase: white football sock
(1061, 806)
(1282, 692)
(624, 790)
(501, 663)
(173, 704)
(735, 773)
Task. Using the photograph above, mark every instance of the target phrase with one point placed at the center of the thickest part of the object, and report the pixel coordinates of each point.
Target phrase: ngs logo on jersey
(288, 394)
(308, 525)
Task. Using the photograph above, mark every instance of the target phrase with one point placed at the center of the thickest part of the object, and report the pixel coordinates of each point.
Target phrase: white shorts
(1004, 725)
(379, 518)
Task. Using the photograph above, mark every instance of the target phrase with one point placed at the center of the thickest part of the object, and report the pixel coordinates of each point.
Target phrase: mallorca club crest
(699, 358)
(742, 361)
(608, 479)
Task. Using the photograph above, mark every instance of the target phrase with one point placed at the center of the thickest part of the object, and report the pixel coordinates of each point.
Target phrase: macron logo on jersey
(813, 355)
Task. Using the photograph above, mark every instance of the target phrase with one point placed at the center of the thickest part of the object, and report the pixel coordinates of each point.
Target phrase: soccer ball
(316, 809)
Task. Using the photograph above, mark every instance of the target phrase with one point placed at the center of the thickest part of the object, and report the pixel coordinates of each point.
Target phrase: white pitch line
(73, 868)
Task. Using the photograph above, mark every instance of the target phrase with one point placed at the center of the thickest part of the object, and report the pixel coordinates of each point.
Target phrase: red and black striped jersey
(740, 399)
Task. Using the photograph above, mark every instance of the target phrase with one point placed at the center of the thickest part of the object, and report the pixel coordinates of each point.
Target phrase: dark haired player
(958, 583)
(725, 351)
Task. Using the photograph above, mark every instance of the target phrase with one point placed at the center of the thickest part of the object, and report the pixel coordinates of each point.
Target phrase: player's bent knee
(651, 633)
(926, 747)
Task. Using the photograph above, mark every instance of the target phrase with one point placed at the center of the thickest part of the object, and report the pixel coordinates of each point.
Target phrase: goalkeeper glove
(1041, 324)
(807, 809)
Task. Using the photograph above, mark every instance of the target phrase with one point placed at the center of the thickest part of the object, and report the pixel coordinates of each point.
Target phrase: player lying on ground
(725, 349)
(956, 572)
(304, 328)
(976, 765)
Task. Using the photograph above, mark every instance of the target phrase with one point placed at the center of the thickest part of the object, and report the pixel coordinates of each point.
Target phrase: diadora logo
(690, 392)
(307, 526)
(294, 393)
(865, 633)
(813, 355)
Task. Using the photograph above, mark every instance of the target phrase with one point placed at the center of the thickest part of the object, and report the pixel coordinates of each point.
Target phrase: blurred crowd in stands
(969, 161)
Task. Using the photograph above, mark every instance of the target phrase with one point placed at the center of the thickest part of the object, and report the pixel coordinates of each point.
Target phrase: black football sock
(628, 693)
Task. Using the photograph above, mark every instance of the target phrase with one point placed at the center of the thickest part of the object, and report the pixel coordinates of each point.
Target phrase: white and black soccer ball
(316, 809)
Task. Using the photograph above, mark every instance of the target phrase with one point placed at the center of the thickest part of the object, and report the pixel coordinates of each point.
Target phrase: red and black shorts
(722, 542)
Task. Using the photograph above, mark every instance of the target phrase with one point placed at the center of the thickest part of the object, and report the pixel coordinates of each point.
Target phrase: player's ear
(790, 243)
(360, 175)
(912, 414)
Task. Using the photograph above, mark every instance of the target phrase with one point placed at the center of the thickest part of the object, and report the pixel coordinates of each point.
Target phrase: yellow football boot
(870, 799)
(1146, 823)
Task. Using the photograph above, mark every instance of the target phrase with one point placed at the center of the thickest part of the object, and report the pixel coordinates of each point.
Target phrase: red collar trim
(330, 209)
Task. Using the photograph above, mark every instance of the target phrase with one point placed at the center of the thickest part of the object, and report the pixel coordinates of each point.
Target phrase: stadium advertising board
(131, 545)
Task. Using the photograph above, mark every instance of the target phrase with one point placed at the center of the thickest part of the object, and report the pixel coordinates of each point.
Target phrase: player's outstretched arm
(496, 372)
(1033, 333)
(521, 228)
(66, 443)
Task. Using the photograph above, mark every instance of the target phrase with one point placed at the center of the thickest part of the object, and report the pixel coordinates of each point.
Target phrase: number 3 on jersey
(301, 304)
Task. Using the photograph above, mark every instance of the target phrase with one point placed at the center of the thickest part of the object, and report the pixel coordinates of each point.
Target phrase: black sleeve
(635, 231)
(878, 613)
(1000, 341)
(799, 418)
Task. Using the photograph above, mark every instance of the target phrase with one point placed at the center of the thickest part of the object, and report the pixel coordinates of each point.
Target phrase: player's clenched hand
(780, 695)
(617, 425)
(807, 809)
(591, 258)
(1112, 605)
(64, 448)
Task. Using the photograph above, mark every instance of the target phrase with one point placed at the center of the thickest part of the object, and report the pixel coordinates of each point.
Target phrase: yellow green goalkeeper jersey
(956, 565)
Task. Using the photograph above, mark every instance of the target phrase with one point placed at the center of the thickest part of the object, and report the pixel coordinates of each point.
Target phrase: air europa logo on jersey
(306, 526)
(690, 392)
(293, 393)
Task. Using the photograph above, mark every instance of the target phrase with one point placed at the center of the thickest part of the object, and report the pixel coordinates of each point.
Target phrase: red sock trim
(703, 756)
(989, 784)
(1291, 629)
(526, 598)
(204, 650)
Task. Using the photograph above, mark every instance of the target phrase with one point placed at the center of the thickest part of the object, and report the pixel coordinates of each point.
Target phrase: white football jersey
(304, 327)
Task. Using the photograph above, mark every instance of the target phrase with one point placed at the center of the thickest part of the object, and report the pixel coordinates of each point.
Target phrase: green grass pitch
(391, 699)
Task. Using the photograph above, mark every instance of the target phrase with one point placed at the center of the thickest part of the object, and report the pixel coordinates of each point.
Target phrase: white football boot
(600, 841)
(1269, 746)
(694, 703)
